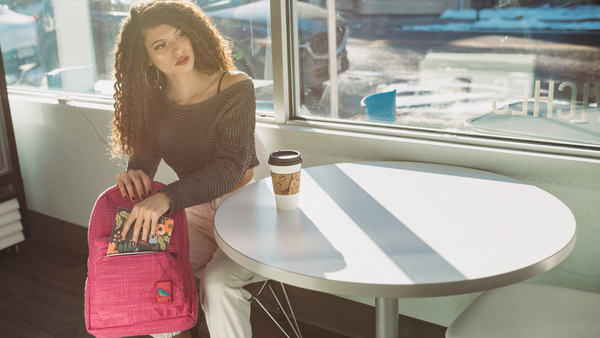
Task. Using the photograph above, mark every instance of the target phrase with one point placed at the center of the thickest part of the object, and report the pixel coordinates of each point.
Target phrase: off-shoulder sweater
(209, 145)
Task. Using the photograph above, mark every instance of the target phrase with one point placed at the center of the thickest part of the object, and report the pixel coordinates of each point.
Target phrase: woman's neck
(192, 87)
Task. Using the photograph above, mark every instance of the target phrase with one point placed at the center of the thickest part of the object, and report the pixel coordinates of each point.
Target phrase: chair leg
(294, 325)
(296, 329)
(291, 310)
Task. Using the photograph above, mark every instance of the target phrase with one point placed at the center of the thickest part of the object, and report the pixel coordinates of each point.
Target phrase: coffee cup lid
(285, 157)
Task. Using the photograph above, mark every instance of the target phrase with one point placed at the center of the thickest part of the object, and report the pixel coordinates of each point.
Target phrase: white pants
(225, 302)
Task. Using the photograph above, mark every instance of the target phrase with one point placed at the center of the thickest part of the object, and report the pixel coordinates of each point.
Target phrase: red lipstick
(182, 61)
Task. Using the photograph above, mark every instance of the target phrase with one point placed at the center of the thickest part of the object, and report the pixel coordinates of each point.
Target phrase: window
(519, 69)
(67, 45)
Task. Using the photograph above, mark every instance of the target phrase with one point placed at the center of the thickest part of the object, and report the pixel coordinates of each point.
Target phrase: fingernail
(152, 236)
(143, 196)
(133, 199)
(133, 243)
(149, 192)
(143, 242)
(125, 197)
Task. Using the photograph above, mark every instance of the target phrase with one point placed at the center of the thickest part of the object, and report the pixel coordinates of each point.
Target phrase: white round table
(394, 230)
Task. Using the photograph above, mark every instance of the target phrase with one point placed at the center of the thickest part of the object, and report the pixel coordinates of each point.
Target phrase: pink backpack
(129, 295)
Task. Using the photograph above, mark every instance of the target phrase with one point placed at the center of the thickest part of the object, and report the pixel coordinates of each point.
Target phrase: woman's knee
(223, 273)
(212, 281)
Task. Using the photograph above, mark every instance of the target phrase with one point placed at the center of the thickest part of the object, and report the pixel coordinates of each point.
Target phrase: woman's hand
(146, 215)
(134, 181)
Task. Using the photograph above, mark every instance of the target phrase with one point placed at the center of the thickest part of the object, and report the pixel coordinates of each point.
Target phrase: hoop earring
(146, 76)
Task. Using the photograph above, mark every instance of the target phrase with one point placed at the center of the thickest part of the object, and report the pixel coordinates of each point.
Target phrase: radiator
(11, 229)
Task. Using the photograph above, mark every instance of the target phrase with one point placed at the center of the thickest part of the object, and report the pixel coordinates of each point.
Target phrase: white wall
(65, 167)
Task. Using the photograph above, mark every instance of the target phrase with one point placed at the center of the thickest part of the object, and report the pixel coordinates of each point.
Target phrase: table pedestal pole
(386, 317)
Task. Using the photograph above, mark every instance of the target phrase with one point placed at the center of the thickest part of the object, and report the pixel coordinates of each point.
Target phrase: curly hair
(133, 96)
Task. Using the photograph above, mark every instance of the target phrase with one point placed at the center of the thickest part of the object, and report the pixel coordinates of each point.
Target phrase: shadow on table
(409, 252)
(288, 240)
(311, 252)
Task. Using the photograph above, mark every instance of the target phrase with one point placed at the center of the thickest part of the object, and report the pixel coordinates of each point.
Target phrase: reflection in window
(518, 68)
(19, 47)
(67, 45)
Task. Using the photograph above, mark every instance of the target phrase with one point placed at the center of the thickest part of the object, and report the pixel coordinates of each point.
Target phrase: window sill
(354, 129)
(442, 139)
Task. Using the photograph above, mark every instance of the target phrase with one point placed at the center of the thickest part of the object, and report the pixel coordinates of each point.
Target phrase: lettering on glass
(538, 98)
(573, 100)
(503, 94)
(549, 98)
(524, 97)
(586, 98)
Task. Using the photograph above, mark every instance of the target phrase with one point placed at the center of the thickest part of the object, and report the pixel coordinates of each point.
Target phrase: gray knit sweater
(210, 144)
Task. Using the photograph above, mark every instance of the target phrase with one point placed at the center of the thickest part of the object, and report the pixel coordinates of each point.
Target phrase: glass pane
(67, 44)
(19, 44)
(247, 24)
(525, 69)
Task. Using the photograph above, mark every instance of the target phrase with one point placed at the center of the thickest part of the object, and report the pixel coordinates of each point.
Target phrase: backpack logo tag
(164, 292)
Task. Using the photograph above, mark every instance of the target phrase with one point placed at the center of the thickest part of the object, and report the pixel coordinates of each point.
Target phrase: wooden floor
(42, 295)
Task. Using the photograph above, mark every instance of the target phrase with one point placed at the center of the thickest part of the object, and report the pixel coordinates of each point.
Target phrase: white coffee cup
(285, 173)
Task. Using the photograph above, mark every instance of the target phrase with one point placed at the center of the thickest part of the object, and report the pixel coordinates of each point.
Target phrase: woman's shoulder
(231, 78)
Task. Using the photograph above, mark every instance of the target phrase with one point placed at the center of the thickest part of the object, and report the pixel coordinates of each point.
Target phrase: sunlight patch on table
(366, 262)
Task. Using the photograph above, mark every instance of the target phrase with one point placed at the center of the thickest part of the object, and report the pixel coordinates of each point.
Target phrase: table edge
(395, 290)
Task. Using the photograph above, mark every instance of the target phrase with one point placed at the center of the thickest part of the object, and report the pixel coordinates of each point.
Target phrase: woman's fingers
(147, 184)
(123, 189)
(130, 190)
(146, 215)
(154, 228)
(132, 182)
(122, 180)
(139, 225)
(139, 187)
(145, 230)
(137, 222)
(128, 222)
(125, 184)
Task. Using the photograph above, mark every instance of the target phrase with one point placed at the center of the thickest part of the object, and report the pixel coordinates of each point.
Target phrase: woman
(179, 99)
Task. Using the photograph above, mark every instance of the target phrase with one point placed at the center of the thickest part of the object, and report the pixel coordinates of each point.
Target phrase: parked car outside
(19, 43)
(244, 24)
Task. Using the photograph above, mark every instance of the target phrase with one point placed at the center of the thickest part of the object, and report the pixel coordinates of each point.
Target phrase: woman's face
(169, 49)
